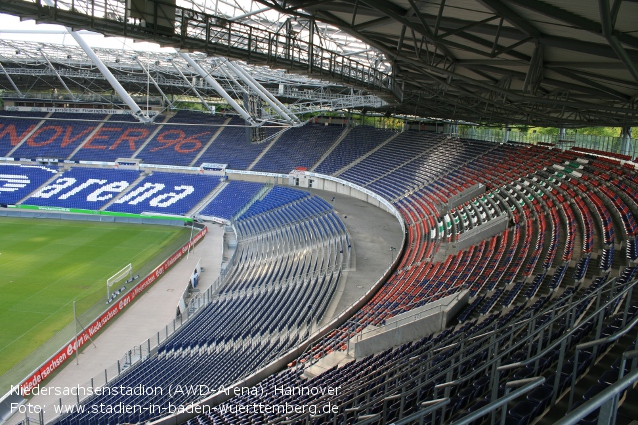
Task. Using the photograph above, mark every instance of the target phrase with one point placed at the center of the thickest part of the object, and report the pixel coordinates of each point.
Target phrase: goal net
(118, 277)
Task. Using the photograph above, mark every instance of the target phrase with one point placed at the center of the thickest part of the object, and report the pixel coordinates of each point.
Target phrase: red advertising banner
(66, 352)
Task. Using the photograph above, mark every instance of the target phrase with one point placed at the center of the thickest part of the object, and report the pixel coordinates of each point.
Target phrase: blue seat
(521, 413)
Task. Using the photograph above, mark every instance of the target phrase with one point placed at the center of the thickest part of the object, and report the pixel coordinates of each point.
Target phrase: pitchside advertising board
(67, 352)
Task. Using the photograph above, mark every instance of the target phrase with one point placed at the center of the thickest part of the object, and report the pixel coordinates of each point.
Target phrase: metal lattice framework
(534, 62)
(550, 62)
(38, 67)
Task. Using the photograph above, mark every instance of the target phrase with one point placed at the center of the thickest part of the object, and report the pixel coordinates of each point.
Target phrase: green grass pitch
(45, 265)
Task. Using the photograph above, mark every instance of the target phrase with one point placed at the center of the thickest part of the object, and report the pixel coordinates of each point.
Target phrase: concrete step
(336, 358)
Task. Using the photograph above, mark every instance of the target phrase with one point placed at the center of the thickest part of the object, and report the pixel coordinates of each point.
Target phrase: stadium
(329, 212)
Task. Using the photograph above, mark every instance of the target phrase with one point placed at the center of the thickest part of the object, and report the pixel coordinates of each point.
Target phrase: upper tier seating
(14, 127)
(393, 154)
(298, 147)
(180, 144)
(121, 136)
(233, 148)
(166, 193)
(59, 136)
(358, 142)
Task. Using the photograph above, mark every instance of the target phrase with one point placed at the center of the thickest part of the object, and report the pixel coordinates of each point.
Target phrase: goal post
(127, 271)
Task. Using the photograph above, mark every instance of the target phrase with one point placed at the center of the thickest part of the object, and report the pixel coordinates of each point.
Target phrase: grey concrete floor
(372, 231)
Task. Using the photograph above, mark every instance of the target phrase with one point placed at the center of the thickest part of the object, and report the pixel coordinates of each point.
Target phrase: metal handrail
(392, 367)
(567, 335)
(519, 343)
(528, 385)
(605, 400)
(430, 406)
(399, 365)
(217, 33)
(595, 343)
(611, 338)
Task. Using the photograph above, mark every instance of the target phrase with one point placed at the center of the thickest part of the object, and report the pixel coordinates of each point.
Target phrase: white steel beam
(150, 77)
(192, 86)
(263, 93)
(137, 111)
(57, 74)
(218, 88)
(11, 80)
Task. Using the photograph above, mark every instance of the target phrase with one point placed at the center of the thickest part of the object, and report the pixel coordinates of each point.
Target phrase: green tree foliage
(593, 131)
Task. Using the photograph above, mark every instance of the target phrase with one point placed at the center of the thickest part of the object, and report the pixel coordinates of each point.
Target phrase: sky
(8, 24)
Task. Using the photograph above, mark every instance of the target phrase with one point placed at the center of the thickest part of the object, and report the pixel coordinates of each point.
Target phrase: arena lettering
(13, 182)
(140, 193)
(102, 193)
(147, 190)
(56, 187)
(81, 187)
(115, 187)
(171, 197)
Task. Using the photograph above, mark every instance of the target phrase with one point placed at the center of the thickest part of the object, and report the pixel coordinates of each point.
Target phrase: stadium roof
(533, 62)
(36, 69)
(528, 61)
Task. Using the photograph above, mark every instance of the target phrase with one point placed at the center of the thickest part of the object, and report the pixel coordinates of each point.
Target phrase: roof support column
(150, 77)
(192, 86)
(263, 93)
(11, 80)
(57, 74)
(137, 111)
(218, 88)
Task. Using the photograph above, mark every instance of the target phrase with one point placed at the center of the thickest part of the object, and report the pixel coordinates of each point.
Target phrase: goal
(117, 277)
